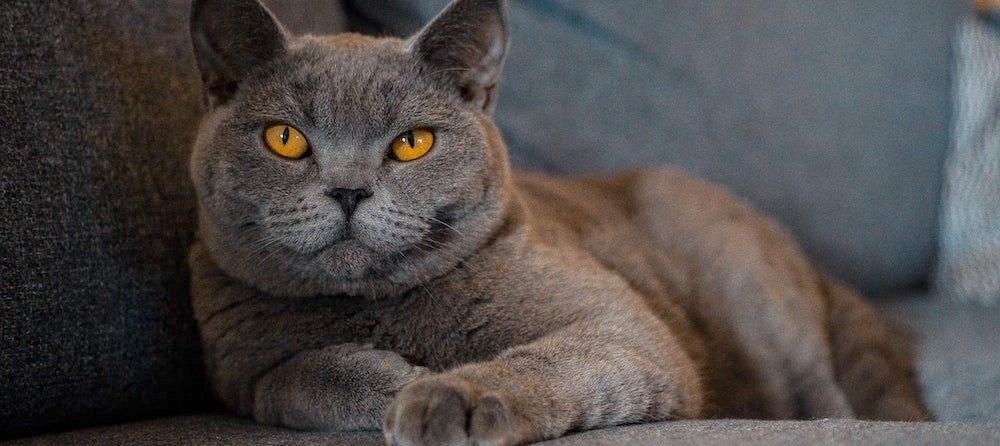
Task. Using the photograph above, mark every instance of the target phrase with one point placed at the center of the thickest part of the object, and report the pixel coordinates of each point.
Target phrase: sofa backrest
(833, 116)
(98, 107)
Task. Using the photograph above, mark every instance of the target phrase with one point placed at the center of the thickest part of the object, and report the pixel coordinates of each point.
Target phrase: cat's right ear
(231, 38)
(467, 44)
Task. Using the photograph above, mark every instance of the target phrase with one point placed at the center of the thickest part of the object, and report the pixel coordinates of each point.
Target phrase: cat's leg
(750, 278)
(269, 359)
(591, 374)
(343, 387)
(874, 369)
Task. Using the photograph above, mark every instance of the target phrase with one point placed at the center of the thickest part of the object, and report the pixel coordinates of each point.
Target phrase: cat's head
(347, 164)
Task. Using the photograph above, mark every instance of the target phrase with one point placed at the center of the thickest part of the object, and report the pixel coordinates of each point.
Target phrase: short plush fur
(464, 302)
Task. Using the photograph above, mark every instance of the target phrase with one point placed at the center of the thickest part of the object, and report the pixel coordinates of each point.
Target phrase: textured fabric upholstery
(98, 103)
(970, 232)
(210, 430)
(833, 116)
(95, 213)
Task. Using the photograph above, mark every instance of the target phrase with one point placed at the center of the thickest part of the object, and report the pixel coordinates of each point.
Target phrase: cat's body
(462, 301)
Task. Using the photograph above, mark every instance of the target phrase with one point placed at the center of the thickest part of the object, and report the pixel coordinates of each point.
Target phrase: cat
(368, 259)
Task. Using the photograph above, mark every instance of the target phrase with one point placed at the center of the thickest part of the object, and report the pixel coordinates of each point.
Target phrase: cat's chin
(346, 259)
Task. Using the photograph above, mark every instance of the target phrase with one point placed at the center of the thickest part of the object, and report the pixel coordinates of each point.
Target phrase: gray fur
(231, 39)
(465, 302)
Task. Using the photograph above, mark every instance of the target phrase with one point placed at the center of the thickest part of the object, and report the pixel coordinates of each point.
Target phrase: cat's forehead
(352, 40)
(358, 80)
(347, 62)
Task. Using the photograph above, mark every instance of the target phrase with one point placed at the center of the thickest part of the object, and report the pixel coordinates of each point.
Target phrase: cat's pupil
(284, 136)
(408, 138)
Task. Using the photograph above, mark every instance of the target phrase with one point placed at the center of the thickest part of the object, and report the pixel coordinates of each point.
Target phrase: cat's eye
(411, 144)
(286, 141)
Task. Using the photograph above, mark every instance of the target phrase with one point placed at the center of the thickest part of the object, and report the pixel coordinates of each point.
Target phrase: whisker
(296, 221)
(447, 226)
(272, 241)
(283, 211)
(439, 249)
(424, 219)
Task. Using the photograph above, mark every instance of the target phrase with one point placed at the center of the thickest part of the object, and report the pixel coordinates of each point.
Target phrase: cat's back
(574, 203)
(624, 200)
(582, 204)
(635, 223)
(598, 216)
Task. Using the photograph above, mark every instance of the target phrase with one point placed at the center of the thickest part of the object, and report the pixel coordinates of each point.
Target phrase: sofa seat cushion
(957, 362)
(957, 353)
(224, 430)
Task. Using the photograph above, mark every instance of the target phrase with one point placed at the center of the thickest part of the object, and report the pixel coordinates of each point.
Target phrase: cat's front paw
(449, 410)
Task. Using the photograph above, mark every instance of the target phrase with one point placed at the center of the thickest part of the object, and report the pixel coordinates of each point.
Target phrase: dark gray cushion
(221, 430)
(831, 115)
(96, 212)
(98, 103)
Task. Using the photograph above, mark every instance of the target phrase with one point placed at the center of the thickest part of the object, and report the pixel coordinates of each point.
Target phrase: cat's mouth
(358, 252)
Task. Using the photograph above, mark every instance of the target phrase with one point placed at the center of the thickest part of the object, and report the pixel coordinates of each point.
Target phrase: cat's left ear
(467, 44)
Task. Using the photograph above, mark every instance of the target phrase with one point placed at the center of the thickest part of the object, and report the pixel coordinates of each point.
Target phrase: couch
(833, 117)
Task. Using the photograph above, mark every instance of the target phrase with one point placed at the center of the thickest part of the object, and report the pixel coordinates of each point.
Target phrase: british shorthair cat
(368, 259)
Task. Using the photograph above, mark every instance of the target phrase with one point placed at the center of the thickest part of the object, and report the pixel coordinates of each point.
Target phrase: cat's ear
(231, 38)
(467, 43)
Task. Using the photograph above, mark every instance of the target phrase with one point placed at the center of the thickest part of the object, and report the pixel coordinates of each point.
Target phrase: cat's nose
(348, 198)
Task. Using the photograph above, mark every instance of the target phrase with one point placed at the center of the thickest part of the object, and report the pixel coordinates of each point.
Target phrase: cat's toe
(430, 411)
(494, 422)
(448, 410)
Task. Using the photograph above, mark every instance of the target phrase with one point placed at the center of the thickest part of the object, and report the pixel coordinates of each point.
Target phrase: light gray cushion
(222, 430)
(957, 347)
(833, 116)
(970, 232)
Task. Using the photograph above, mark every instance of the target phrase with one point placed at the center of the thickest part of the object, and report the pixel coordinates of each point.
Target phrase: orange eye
(412, 144)
(286, 141)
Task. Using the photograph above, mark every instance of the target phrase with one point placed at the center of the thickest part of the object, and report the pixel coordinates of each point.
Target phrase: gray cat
(368, 259)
